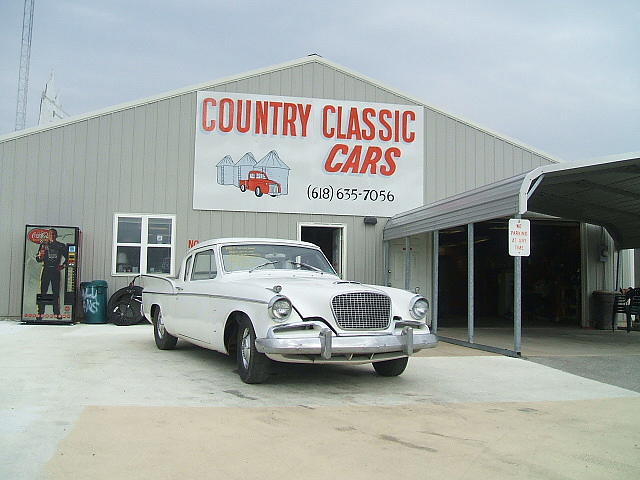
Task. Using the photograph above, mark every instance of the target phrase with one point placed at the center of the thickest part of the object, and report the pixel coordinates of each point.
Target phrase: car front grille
(362, 310)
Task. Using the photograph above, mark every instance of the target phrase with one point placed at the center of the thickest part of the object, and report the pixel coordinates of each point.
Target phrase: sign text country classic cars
(302, 155)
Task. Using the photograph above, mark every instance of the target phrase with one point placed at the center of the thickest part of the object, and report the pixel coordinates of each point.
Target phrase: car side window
(204, 266)
(186, 268)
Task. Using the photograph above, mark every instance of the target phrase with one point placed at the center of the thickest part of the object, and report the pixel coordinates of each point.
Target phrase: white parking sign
(519, 237)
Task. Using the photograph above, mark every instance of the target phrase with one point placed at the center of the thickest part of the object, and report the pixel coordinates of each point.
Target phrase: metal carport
(604, 192)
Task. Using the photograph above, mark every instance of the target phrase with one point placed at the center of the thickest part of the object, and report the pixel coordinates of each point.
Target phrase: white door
(195, 302)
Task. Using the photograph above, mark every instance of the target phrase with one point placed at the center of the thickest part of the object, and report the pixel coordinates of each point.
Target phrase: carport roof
(602, 192)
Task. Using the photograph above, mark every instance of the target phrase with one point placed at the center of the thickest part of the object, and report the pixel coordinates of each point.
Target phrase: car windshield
(261, 256)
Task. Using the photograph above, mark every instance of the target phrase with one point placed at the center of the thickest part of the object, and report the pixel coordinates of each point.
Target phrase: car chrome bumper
(326, 343)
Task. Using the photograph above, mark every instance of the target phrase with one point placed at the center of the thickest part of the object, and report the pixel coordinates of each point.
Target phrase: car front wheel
(253, 366)
(164, 340)
(391, 368)
(258, 192)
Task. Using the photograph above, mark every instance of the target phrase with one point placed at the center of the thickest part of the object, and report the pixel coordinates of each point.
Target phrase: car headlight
(419, 307)
(280, 308)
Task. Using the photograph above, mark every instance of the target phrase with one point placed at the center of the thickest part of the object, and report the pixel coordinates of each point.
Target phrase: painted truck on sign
(270, 175)
(259, 183)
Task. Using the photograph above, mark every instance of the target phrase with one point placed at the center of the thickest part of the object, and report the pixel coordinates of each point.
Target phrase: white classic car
(266, 299)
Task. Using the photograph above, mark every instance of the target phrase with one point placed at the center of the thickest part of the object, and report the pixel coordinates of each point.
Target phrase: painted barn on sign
(275, 169)
(242, 168)
(225, 171)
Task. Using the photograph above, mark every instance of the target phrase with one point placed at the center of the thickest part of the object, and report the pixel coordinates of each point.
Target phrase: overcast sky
(560, 76)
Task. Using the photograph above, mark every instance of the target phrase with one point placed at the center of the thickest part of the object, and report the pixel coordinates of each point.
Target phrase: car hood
(309, 292)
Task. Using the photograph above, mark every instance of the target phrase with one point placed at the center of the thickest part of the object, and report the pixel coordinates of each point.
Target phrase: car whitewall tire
(164, 340)
(253, 366)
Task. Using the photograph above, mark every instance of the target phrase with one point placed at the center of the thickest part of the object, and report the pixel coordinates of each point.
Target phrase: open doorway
(331, 240)
(551, 276)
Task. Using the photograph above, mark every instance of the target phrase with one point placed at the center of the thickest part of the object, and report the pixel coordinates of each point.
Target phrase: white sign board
(304, 155)
(519, 237)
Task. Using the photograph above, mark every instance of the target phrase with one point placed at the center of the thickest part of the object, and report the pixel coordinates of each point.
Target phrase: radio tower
(23, 74)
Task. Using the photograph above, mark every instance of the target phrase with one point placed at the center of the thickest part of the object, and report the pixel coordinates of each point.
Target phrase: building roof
(254, 73)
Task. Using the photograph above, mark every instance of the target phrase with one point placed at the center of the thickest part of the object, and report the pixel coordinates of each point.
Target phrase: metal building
(131, 168)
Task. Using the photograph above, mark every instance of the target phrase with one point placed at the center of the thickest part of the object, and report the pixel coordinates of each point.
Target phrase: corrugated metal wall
(598, 274)
(140, 160)
(460, 157)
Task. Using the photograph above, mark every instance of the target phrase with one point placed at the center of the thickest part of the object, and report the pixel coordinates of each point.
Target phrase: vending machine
(50, 274)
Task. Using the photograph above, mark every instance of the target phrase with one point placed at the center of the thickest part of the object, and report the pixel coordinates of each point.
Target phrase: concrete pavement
(101, 401)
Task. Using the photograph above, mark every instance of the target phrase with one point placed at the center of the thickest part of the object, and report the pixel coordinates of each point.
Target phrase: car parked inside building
(281, 300)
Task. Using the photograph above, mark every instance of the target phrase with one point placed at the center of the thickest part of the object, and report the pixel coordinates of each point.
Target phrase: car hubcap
(160, 325)
(246, 348)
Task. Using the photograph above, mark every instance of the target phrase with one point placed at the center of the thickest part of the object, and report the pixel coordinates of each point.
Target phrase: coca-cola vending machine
(50, 275)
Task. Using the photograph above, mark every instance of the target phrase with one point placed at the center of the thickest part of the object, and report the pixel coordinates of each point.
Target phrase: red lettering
(289, 119)
(329, 166)
(327, 133)
(275, 106)
(389, 156)
(355, 163)
(304, 112)
(353, 160)
(246, 115)
(381, 117)
(407, 135)
(225, 103)
(207, 125)
(371, 158)
(367, 113)
(353, 130)
(396, 125)
(262, 115)
(341, 134)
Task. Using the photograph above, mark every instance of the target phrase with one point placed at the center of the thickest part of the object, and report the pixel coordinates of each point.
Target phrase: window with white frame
(143, 244)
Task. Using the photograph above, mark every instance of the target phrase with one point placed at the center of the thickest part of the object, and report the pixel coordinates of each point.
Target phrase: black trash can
(602, 309)
(94, 301)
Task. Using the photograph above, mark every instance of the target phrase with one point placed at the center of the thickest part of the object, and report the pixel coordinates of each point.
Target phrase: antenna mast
(25, 56)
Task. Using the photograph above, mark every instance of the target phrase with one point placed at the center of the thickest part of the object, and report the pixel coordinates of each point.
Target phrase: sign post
(519, 246)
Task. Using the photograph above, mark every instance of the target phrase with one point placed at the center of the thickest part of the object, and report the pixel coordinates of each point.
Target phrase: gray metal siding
(139, 159)
(460, 157)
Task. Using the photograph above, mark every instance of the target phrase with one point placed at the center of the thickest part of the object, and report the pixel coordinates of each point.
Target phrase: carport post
(517, 302)
(434, 280)
(470, 281)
